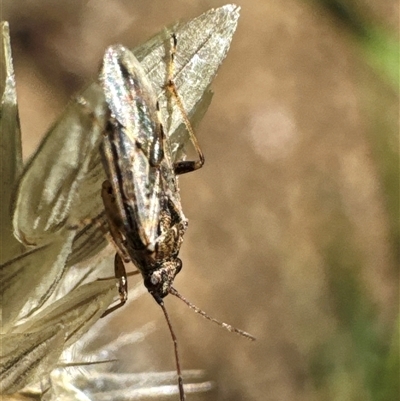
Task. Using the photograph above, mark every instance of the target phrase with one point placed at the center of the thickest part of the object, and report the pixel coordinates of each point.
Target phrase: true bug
(141, 195)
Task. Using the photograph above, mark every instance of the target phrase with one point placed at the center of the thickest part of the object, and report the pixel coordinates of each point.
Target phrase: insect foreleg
(120, 274)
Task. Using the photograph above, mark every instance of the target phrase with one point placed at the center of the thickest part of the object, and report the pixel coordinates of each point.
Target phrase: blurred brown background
(293, 230)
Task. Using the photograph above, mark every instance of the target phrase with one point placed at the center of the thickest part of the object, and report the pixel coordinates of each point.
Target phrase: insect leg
(185, 166)
(120, 274)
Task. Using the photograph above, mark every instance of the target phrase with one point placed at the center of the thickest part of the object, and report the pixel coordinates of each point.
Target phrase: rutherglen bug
(141, 195)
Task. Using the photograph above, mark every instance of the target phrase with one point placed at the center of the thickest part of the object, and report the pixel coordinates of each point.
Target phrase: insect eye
(178, 265)
(154, 279)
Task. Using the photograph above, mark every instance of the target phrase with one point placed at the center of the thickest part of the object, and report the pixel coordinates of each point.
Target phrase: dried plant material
(29, 280)
(32, 350)
(90, 270)
(49, 184)
(77, 311)
(66, 383)
(154, 392)
(90, 239)
(27, 357)
(10, 146)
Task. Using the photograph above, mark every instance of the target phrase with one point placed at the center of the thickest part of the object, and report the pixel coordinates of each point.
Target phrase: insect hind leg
(184, 166)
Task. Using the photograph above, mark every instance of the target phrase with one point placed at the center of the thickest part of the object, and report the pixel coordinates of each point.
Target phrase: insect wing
(133, 147)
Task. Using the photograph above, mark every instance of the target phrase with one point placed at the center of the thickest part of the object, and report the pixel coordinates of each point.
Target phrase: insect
(141, 194)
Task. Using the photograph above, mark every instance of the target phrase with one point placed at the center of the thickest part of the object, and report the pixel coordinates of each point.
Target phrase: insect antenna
(226, 326)
(178, 365)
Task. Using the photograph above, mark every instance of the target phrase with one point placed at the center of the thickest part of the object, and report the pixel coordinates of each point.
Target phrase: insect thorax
(159, 262)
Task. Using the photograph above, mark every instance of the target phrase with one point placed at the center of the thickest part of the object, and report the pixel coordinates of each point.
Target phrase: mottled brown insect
(141, 194)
